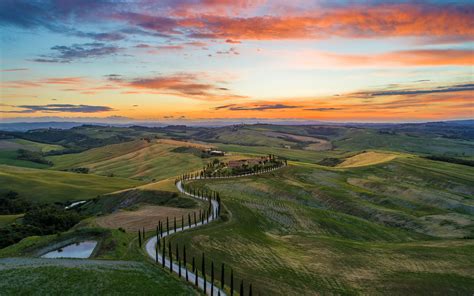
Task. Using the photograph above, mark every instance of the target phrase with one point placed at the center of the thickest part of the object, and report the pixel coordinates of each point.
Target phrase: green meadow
(346, 231)
(47, 186)
(135, 160)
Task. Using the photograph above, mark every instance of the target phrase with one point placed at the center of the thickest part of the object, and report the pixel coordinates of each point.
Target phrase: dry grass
(317, 144)
(184, 144)
(366, 158)
(146, 216)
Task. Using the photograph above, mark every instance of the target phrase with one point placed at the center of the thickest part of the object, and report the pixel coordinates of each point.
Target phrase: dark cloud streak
(67, 54)
(55, 108)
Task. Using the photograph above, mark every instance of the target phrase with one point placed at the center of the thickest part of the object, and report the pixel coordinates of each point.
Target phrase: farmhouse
(217, 153)
(250, 162)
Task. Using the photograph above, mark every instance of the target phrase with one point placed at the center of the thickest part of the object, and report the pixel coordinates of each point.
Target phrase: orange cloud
(217, 20)
(311, 59)
(403, 104)
(184, 85)
(432, 57)
(351, 21)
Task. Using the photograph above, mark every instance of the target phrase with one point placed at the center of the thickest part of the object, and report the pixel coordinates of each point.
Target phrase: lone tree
(242, 287)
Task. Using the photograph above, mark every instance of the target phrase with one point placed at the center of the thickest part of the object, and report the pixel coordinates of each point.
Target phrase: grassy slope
(366, 158)
(291, 154)
(52, 186)
(307, 230)
(10, 158)
(14, 144)
(133, 276)
(121, 278)
(362, 139)
(137, 160)
(8, 152)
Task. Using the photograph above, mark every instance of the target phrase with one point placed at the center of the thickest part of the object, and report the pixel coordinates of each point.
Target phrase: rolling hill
(140, 159)
(56, 186)
(308, 229)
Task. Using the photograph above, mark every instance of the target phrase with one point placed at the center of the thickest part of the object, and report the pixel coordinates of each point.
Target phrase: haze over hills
(21, 125)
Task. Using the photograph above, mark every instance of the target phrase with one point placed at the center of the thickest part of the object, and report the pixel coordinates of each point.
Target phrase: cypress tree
(175, 224)
(170, 253)
(189, 220)
(177, 253)
(157, 233)
(222, 276)
(164, 252)
(203, 266)
(184, 261)
(242, 288)
(231, 282)
(195, 223)
(182, 222)
(139, 238)
(212, 278)
(196, 276)
(193, 265)
(167, 226)
(250, 290)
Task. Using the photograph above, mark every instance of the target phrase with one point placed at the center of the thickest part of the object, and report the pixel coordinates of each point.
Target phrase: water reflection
(77, 250)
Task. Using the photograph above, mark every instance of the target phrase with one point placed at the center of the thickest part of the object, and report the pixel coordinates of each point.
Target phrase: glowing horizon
(209, 59)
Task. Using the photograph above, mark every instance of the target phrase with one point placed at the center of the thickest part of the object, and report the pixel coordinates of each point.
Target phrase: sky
(368, 61)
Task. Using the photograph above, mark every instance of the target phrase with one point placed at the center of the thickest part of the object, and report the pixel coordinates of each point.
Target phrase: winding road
(151, 243)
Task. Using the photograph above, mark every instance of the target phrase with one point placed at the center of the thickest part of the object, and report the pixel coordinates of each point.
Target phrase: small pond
(77, 250)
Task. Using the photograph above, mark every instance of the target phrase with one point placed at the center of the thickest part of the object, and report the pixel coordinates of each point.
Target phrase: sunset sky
(188, 59)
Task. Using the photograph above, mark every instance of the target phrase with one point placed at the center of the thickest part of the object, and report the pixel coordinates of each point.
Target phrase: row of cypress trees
(191, 220)
(161, 245)
(181, 259)
(202, 175)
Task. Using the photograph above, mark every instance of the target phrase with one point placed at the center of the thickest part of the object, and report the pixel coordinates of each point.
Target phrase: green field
(89, 277)
(54, 186)
(137, 160)
(307, 230)
(9, 148)
(14, 144)
(419, 144)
